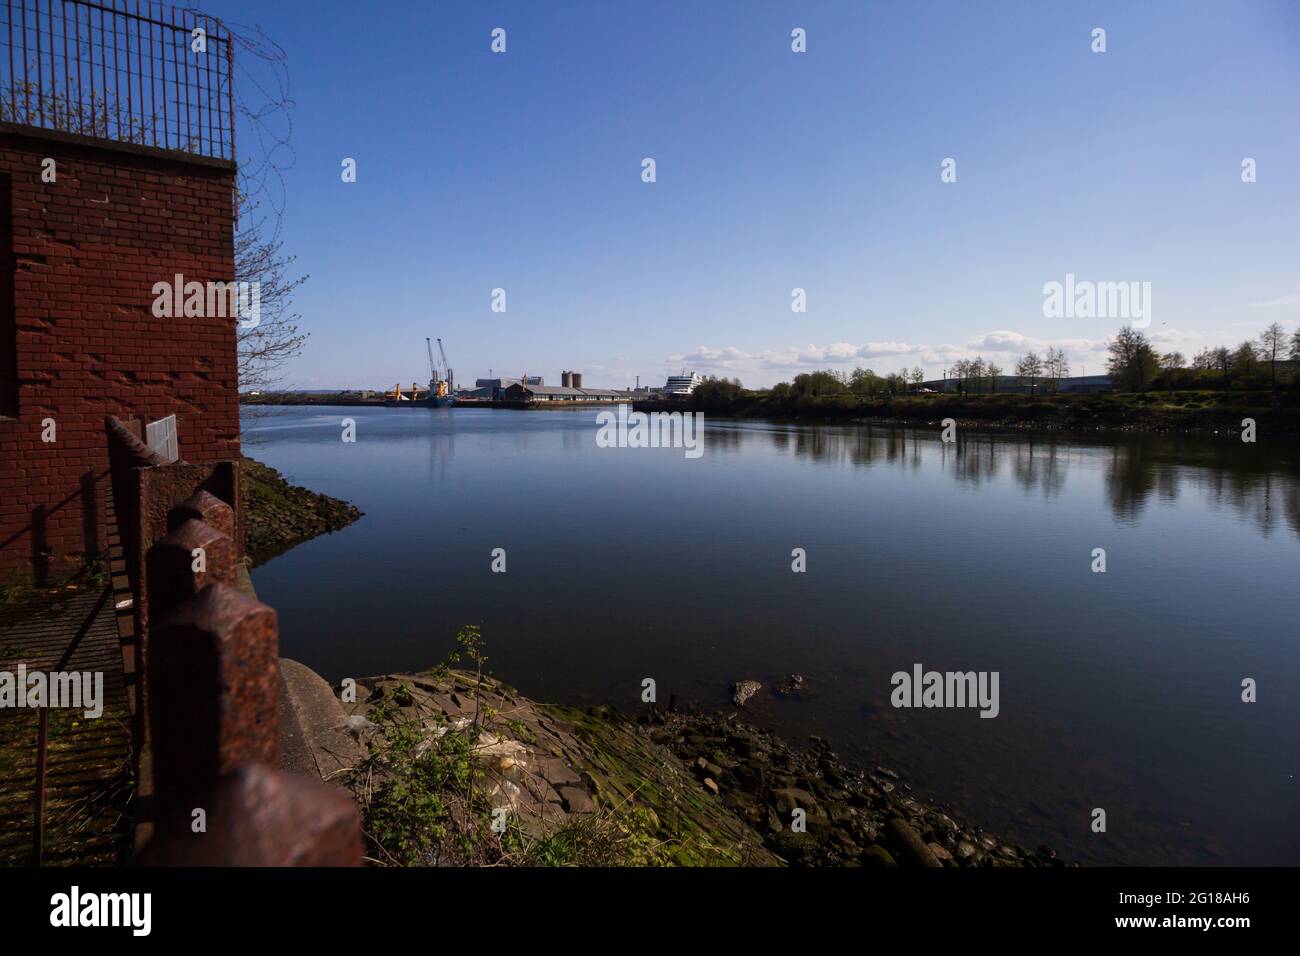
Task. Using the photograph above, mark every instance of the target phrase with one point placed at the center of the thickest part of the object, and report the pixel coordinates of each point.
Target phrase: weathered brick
(81, 274)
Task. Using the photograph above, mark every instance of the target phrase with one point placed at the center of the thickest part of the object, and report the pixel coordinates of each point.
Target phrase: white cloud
(1007, 341)
(1289, 300)
(1003, 341)
(1171, 336)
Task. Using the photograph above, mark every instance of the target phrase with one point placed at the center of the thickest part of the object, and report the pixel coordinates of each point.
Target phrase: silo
(576, 379)
(566, 379)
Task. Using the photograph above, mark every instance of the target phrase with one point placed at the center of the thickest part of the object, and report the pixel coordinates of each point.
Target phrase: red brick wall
(86, 252)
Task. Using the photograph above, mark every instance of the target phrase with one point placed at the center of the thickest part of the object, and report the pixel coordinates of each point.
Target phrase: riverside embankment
(279, 515)
(1205, 413)
(434, 759)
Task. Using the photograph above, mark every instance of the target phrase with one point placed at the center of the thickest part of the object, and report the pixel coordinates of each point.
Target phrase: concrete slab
(314, 739)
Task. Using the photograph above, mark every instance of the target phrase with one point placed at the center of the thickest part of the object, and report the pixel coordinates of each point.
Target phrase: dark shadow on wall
(38, 530)
(89, 514)
(40, 548)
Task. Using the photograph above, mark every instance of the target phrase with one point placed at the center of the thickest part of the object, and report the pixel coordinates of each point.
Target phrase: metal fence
(132, 71)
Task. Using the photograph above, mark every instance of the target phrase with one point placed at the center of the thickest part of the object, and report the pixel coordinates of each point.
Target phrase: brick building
(83, 241)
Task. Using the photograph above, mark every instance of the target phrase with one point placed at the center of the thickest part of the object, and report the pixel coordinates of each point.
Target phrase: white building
(683, 384)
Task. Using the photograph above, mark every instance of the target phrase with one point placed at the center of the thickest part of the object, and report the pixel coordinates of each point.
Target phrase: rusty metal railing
(209, 653)
(131, 71)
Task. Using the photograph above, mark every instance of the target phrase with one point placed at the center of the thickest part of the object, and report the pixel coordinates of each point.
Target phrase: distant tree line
(1264, 362)
(861, 382)
(1134, 365)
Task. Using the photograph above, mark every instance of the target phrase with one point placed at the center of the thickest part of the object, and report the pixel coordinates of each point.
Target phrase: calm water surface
(1119, 690)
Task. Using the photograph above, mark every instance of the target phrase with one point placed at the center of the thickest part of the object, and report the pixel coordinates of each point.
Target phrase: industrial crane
(433, 368)
(440, 380)
(451, 385)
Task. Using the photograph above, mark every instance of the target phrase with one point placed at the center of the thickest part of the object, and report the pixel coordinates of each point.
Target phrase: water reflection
(1039, 467)
(1128, 684)
(1254, 483)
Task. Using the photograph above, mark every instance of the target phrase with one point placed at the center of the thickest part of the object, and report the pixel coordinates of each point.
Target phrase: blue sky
(777, 170)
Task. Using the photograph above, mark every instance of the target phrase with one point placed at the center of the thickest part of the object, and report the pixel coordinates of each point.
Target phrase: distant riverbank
(1201, 412)
(345, 397)
(1192, 412)
(352, 399)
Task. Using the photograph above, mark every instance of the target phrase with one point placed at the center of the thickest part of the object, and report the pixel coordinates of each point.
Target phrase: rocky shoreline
(279, 515)
(674, 788)
(854, 815)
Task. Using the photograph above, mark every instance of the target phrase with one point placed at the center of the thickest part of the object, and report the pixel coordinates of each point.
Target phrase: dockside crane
(451, 384)
(440, 383)
(433, 366)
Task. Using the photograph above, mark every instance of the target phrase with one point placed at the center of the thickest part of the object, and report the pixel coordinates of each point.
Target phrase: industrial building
(519, 392)
(493, 389)
(527, 389)
(1015, 385)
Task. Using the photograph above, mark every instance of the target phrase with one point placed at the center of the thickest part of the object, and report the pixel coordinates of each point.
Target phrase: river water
(1119, 690)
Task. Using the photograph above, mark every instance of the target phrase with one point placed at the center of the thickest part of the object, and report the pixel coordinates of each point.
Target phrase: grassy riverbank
(599, 787)
(1205, 411)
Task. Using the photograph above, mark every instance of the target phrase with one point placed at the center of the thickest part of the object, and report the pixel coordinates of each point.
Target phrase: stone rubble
(721, 791)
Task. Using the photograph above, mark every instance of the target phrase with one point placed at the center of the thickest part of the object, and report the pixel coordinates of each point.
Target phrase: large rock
(742, 690)
(549, 765)
(912, 849)
(315, 738)
(876, 855)
(790, 798)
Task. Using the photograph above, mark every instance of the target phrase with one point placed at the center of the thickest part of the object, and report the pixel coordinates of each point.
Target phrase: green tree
(1245, 363)
(715, 392)
(1133, 362)
(1029, 367)
(994, 372)
(1055, 366)
(1170, 364)
(1222, 361)
(863, 381)
(960, 370)
(1272, 343)
(817, 384)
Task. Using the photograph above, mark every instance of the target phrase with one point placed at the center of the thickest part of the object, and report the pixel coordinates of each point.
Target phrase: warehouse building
(1016, 385)
(519, 392)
